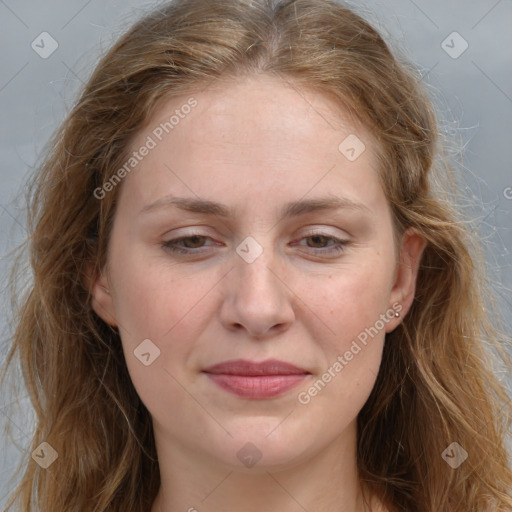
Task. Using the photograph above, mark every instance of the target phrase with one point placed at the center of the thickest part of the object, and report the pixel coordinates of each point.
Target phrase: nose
(258, 296)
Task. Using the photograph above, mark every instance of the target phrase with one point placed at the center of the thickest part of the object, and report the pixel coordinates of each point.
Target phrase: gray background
(473, 91)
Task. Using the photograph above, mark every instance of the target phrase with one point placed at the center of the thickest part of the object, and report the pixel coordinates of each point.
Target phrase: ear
(404, 287)
(102, 302)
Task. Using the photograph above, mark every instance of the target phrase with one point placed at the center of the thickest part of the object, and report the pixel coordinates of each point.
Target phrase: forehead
(256, 136)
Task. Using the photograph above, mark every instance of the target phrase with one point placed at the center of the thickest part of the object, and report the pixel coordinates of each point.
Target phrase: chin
(258, 450)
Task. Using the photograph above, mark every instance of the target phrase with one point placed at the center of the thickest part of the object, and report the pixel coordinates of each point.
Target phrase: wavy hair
(437, 382)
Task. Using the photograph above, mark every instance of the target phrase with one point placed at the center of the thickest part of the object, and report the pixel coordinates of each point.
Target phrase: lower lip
(257, 387)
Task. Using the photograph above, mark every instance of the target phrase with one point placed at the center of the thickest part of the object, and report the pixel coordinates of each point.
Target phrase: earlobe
(101, 298)
(404, 287)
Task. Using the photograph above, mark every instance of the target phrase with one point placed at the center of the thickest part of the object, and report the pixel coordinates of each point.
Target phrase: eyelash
(171, 245)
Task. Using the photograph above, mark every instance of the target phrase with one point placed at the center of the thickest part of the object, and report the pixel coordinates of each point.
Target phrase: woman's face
(267, 280)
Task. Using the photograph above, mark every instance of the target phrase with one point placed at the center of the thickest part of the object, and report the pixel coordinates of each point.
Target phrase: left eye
(318, 238)
(337, 247)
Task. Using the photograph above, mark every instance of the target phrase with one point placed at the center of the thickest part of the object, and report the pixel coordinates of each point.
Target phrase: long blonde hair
(437, 382)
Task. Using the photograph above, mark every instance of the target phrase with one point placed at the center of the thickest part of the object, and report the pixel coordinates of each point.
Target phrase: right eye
(175, 247)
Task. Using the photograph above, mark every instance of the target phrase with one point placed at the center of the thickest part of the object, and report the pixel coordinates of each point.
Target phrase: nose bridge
(255, 262)
(257, 297)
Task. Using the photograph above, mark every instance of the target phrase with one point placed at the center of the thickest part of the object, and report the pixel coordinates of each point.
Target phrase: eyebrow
(291, 209)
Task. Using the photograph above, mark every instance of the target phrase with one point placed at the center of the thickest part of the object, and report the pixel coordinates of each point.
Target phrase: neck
(325, 481)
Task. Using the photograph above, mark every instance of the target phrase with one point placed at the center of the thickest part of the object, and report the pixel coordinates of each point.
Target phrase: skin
(254, 144)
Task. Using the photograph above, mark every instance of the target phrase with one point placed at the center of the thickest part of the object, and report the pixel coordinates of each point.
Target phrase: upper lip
(245, 367)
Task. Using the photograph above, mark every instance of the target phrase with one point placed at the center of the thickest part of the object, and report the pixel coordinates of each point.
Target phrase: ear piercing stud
(397, 314)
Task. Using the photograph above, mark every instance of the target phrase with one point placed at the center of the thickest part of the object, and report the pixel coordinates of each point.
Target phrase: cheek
(152, 295)
(351, 339)
(155, 302)
(352, 304)
(351, 298)
(158, 301)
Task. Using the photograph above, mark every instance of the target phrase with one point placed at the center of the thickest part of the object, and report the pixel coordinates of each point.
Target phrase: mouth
(253, 380)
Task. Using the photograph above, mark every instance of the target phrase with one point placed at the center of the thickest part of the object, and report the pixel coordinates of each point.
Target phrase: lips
(256, 381)
(251, 368)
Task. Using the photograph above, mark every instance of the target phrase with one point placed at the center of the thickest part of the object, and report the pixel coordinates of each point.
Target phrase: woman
(254, 371)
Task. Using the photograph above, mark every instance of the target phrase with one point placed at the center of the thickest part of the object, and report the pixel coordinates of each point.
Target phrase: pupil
(194, 239)
(315, 238)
